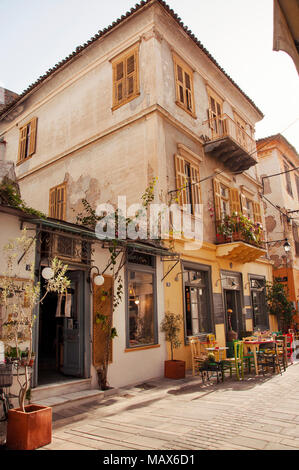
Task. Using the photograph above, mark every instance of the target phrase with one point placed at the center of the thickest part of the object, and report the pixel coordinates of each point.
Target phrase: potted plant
(173, 369)
(29, 426)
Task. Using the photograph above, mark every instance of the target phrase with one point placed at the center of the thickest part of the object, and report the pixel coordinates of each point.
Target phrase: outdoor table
(220, 350)
(255, 346)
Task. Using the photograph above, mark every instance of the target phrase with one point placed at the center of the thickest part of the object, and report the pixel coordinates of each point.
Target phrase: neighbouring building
(279, 168)
(142, 99)
(286, 28)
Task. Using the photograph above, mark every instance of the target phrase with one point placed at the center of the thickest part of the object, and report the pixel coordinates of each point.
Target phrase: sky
(35, 35)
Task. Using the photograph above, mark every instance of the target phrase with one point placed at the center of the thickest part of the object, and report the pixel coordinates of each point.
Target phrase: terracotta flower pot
(174, 369)
(29, 430)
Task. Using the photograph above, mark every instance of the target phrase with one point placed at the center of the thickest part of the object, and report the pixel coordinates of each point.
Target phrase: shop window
(142, 316)
(27, 140)
(197, 312)
(258, 300)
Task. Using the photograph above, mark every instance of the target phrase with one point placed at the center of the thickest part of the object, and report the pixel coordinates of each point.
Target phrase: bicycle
(6, 380)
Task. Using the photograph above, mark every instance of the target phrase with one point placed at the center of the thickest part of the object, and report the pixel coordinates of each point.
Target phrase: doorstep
(67, 400)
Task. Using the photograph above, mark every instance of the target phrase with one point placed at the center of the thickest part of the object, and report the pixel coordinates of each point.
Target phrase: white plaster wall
(139, 365)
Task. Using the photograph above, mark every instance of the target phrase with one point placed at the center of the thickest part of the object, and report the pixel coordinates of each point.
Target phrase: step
(61, 388)
(63, 401)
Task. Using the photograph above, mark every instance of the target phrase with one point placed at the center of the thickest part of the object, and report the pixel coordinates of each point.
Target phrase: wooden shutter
(32, 142)
(131, 74)
(22, 143)
(52, 202)
(243, 204)
(188, 91)
(57, 202)
(195, 188)
(257, 212)
(119, 82)
(217, 199)
(102, 307)
(234, 200)
(180, 179)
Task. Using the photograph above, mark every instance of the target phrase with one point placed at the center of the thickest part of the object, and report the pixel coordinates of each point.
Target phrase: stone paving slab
(259, 413)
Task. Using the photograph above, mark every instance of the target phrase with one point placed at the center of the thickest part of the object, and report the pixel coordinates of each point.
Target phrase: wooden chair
(197, 355)
(268, 357)
(236, 363)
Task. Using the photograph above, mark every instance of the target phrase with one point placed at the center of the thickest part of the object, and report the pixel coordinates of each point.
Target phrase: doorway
(232, 300)
(61, 333)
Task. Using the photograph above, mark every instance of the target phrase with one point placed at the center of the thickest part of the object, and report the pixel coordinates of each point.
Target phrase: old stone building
(279, 164)
(144, 99)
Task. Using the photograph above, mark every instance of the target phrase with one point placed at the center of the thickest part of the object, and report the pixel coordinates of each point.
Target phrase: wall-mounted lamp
(98, 280)
(286, 244)
(177, 276)
(233, 284)
(47, 273)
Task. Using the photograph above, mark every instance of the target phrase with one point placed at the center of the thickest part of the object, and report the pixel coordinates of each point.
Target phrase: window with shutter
(57, 202)
(187, 184)
(215, 117)
(27, 140)
(184, 85)
(125, 77)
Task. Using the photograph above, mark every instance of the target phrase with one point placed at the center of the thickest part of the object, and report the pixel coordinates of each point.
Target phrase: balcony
(231, 144)
(239, 239)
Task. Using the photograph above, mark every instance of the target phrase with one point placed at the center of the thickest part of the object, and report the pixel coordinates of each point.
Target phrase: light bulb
(98, 280)
(48, 273)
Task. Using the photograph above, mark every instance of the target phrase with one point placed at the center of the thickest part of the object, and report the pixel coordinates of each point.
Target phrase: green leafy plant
(10, 195)
(238, 223)
(279, 305)
(19, 300)
(171, 326)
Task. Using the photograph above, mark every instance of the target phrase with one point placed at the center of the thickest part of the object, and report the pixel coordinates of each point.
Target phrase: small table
(220, 350)
(255, 346)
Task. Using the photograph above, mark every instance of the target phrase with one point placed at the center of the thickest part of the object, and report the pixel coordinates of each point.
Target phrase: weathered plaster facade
(277, 156)
(101, 154)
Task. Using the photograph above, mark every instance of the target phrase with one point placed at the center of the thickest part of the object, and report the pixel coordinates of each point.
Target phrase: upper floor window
(57, 202)
(27, 140)
(229, 200)
(125, 77)
(184, 85)
(288, 179)
(187, 184)
(215, 117)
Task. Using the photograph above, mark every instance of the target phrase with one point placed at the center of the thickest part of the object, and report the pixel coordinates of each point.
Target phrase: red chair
(289, 346)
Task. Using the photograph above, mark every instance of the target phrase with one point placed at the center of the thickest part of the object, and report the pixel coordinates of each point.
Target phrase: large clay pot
(174, 369)
(29, 430)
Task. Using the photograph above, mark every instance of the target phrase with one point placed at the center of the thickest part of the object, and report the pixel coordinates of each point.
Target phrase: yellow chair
(197, 355)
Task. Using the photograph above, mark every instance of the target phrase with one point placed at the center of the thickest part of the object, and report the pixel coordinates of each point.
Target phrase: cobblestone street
(259, 413)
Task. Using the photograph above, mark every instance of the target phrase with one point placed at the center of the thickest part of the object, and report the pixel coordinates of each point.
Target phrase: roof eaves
(103, 32)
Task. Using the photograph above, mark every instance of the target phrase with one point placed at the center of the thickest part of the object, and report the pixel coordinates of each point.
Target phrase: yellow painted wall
(207, 255)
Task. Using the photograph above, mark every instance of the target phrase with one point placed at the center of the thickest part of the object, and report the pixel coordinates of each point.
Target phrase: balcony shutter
(131, 75)
(180, 179)
(196, 196)
(257, 212)
(22, 143)
(243, 205)
(32, 142)
(217, 199)
(234, 200)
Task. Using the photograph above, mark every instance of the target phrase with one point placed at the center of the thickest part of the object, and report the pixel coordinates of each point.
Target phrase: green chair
(236, 363)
